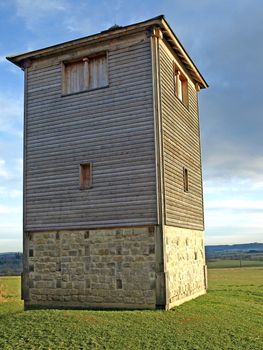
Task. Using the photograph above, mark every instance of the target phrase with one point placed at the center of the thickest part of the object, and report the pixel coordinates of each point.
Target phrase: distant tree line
(10, 264)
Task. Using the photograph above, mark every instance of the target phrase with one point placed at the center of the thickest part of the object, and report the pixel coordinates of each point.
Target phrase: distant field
(228, 317)
(223, 263)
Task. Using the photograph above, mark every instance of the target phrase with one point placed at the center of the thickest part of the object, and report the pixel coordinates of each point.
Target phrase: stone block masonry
(102, 268)
(185, 265)
(114, 268)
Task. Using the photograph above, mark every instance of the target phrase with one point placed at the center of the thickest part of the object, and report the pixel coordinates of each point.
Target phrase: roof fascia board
(103, 36)
(158, 21)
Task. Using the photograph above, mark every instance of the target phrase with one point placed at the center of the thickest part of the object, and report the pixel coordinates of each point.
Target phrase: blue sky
(224, 38)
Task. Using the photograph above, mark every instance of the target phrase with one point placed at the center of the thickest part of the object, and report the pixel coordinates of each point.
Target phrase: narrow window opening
(185, 179)
(85, 176)
(119, 284)
(180, 86)
(58, 266)
(184, 85)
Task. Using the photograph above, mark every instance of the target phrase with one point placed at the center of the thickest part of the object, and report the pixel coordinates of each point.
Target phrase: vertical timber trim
(161, 281)
(200, 151)
(63, 79)
(157, 126)
(25, 287)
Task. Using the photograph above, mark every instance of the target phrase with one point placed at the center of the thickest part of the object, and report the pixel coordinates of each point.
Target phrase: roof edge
(113, 32)
(105, 34)
(168, 30)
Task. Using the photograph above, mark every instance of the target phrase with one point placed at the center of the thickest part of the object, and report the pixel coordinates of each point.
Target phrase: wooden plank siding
(112, 128)
(181, 148)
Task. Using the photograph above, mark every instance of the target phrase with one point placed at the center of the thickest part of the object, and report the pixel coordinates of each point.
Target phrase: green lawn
(230, 316)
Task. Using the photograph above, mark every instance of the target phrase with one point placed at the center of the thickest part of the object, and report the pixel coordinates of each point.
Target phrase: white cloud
(234, 187)
(89, 17)
(258, 185)
(10, 245)
(35, 11)
(237, 238)
(9, 210)
(221, 185)
(227, 160)
(78, 22)
(6, 193)
(10, 228)
(19, 165)
(4, 173)
(11, 234)
(233, 209)
(26, 8)
(235, 203)
(11, 113)
(14, 171)
(234, 219)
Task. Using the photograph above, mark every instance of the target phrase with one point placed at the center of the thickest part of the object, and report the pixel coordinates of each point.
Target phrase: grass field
(230, 316)
(223, 263)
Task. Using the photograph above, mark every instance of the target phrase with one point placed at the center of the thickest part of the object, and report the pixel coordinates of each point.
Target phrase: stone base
(185, 265)
(184, 300)
(111, 268)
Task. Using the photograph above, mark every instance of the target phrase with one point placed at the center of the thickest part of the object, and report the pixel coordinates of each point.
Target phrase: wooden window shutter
(74, 75)
(85, 74)
(98, 72)
(85, 176)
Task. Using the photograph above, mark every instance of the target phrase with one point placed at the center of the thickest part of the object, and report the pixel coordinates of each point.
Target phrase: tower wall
(183, 231)
(100, 268)
(110, 127)
(181, 148)
(185, 265)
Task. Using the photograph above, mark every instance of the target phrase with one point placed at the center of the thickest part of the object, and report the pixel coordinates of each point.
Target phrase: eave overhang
(21, 59)
(182, 54)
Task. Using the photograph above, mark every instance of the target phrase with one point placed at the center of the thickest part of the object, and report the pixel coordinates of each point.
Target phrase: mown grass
(224, 263)
(228, 317)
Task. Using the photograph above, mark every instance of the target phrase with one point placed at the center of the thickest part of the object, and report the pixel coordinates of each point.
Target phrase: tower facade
(113, 204)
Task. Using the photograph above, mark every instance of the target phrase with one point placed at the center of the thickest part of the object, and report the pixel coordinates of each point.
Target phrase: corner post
(25, 278)
(161, 275)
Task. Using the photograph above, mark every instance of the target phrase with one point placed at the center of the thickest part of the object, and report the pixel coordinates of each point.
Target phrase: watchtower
(113, 208)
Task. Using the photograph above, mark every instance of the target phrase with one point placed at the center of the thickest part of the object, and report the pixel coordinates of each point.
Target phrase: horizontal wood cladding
(112, 128)
(181, 149)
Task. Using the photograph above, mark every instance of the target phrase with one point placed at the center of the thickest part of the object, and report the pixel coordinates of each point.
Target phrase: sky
(224, 39)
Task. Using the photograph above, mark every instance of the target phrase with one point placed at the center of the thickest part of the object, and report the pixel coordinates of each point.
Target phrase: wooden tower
(113, 208)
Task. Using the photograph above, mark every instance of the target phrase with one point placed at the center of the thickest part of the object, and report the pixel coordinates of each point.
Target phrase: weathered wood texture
(85, 74)
(181, 148)
(111, 127)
